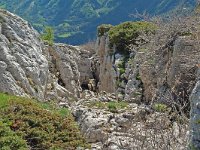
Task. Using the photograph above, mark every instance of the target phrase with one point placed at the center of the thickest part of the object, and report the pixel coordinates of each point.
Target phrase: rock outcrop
(107, 71)
(70, 71)
(195, 116)
(31, 68)
(24, 67)
(161, 70)
(170, 75)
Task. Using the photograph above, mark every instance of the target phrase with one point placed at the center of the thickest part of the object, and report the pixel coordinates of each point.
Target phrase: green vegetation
(121, 71)
(160, 107)
(28, 124)
(138, 77)
(126, 33)
(2, 6)
(197, 9)
(192, 147)
(111, 106)
(151, 61)
(185, 33)
(104, 28)
(121, 66)
(9, 139)
(48, 35)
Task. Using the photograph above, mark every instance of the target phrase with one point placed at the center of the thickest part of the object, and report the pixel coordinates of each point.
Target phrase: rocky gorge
(139, 99)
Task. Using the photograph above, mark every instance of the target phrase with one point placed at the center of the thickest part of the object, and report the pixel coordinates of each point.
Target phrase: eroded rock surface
(31, 68)
(134, 127)
(172, 71)
(24, 67)
(107, 70)
(195, 116)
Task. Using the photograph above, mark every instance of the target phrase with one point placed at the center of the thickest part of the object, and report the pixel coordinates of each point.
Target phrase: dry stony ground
(112, 125)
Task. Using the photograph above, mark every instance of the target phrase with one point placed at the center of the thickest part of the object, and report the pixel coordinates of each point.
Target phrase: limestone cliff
(31, 68)
(23, 65)
(195, 116)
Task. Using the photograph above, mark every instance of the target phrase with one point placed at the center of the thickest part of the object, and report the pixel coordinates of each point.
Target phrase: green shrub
(126, 33)
(121, 71)
(138, 77)
(122, 65)
(9, 140)
(197, 9)
(160, 107)
(112, 107)
(102, 29)
(48, 35)
(135, 94)
(42, 126)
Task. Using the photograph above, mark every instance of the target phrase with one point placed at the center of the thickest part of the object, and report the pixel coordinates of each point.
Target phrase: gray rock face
(70, 68)
(67, 67)
(166, 71)
(85, 66)
(28, 67)
(24, 68)
(107, 73)
(176, 71)
(195, 117)
(133, 89)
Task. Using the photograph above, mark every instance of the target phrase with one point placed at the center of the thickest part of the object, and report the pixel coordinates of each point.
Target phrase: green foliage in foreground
(48, 35)
(28, 124)
(111, 106)
(9, 139)
(126, 33)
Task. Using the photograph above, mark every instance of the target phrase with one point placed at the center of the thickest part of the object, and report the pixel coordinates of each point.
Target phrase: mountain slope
(75, 21)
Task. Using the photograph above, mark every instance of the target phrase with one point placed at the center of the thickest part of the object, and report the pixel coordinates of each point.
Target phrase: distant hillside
(75, 21)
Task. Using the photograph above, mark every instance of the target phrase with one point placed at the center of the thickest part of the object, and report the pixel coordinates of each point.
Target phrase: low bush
(112, 107)
(33, 124)
(102, 29)
(126, 33)
(48, 35)
(10, 140)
